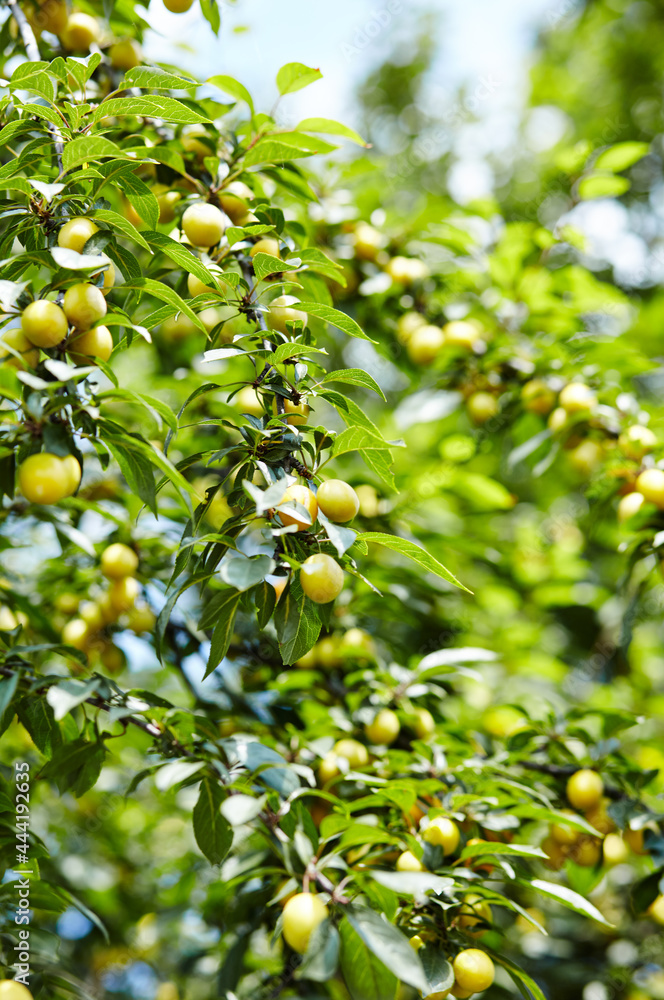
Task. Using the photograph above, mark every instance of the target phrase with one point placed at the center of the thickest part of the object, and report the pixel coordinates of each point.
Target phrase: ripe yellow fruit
(203, 224)
(481, 406)
(302, 914)
(443, 833)
(51, 15)
(123, 593)
(18, 342)
(353, 751)
(109, 276)
(270, 246)
(656, 910)
(125, 54)
(475, 910)
(585, 457)
(76, 633)
(328, 769)
(384, 728)
(599, 818)
(45, 478)
(367, 241)
(586, 852)
(321, 578)
(537, 397)
(577, 397)
(557, 420)
(167, 991)
(406, 270)
(614, 849)
(72, 469)
(503, 721)
(423, 723)
(92, 614)
(473, 970)
(141, 619)
(167, 201)
(178, 6)
(178, 327)
(247, 400)
(637, 441)
(67, 603)
(369, 503)
(650, 483)
(356, 643)
(233, 200)
(425, 344)
(305, 498)
(408, 324)
(84, 305)
(416, 942)
(630, 505)
(338, 500)
(44, 323)
(564, 834)
(85, 347)
(584, 789)
(281, 311)
(462, 333)
(295, 414)
(76, 233)
(118, 561)
(554, 853)
(635, 840)
(11, 990)
(407, 862)
(80, 32)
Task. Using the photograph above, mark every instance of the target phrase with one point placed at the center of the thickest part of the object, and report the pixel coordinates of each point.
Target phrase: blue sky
(478, 40)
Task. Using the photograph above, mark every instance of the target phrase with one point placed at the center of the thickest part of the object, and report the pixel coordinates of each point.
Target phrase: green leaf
(274, 151)
(294, 76)
(242, 572)
(181, 255)
(8, 687)
(169, 295)
(231, 86)
(365, 976)
(75, 766)
(265, 263)
(88, 149)
(330, 127)
(389, 945)
(151, 106)
(139, 196)
(355, 376)
(36, 715)
(35, 77)
(357, 439)
(297, 623)
(213, 833)
(156, 78)
(223, 630)
(621, 156)
(412, 883)
(439, 972)
(316, 260)
(602, 186)
(136, 469)
(567, 897)
(412, 551)
(337, 318)
(491, 847)
(124, 226)
(322, 955)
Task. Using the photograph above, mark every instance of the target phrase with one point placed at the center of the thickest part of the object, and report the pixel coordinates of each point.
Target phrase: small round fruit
(67, 603)
(416, 942)
(443, 833)
(178, 327)
(305, 498)
(76, 633)
(584, 789)
(86, 347)
(557, 420)
(385, 727)
(281, 311)
(118, 561)
(8, 619)
(123, 593)
(92, 614)
(328, 768)
(233, 200)
(52, 16)
(537, 397)
(265, 246)
(407, 862)
(72, 471)
(18, 342)
(630, 505)
(141, 619)
(481, 406)
(614, 849)
(109, 276)
(84, 305)
(80, 32)
(167, 201)
(353, 751)
(338, 501)
(192, 137)
(586, 457)
(178, 6)
(425, 344)
(167, 991)
(408, 324)
(656, 910)
(369, 502)
(112, 658)
(635, 840)
(327, 652)
(650, 483)
(636, 441)
(423, 724)
(296, 414)
(357, 643)
(473, 970)
(406, 270)
(367, 241)
(76, 233)
(302, 914)
(43, 478)
(321, 578)
(203, 224)
(475, 910)
(577, 397)
(125, 54)
(462, 333)
(247, 400)
(196, 287)
(564, 834)
(586, 852)
(599, 817)
(44, 323)
(554, 852)
(11, 990)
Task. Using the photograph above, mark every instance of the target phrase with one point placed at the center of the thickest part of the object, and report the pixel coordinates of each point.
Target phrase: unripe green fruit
(203, 224)
(302, 914)
(577, 398)
(385, 727)
(281, 311)
(178, 6)
(76, 233)
(125, 54)
(557, 420)
(481, 406)
(80, 32)
(196, 287)
(18, 342)
(538, 397)
(473, 970)
(118, 561)
(305, 498)
(586, 457)
(167, 201)
(444, 833)
(584, 789)
(637, 441)
(44, 323)
(11, 990)
(353, 751)
(475, 910)
(234, 198)
(321, 578)
(84, 305)
(408, 862)
(84, 348)
(338, 500)
(424, 724)
(651, 484)
(425, 344)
